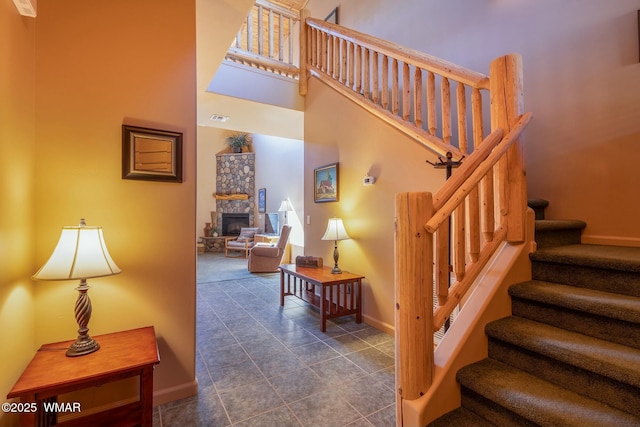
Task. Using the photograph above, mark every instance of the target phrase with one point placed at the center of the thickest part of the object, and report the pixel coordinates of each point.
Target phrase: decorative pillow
(246, 234)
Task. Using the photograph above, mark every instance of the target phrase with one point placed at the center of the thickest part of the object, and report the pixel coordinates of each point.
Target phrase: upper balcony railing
(268, 39)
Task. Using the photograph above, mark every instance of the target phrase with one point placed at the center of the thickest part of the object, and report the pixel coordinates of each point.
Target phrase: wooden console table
(340, 294)
(51, 373)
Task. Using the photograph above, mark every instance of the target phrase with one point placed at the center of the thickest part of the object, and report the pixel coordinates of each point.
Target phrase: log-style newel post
(506, 108)
(304, 67)
(414, 298)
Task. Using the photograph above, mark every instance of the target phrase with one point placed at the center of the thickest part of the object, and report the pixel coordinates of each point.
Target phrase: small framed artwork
(326, 183)
(151, 154)
(333, 16)
(262, 200)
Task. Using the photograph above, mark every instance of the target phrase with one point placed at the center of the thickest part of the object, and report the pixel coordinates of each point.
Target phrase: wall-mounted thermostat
(368, 180)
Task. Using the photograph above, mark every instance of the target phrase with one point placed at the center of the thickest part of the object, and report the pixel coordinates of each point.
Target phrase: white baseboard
(166, 395)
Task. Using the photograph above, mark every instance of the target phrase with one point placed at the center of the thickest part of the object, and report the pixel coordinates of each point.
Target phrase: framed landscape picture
(326, 183)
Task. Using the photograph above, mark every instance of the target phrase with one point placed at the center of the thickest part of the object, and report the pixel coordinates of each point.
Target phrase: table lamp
(335, 231)
(80, 254)
(285, 207)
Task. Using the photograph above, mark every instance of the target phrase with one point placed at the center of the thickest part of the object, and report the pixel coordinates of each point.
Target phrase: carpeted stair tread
(537, 203)
(559, 224)
(608, 359)
(607, 304)
(537, 400)
(619, 258)
(460, 417)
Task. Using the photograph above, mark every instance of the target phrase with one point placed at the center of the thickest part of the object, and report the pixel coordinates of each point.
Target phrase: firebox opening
(233, 222)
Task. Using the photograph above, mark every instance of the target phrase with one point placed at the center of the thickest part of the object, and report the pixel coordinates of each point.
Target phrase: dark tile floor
(259, 364)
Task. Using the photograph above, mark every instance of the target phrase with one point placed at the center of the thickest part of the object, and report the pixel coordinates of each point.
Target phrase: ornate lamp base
(335, 269)
(82, 346)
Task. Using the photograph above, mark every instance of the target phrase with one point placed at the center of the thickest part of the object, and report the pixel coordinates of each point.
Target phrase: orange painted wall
(17, 151)
(99, 65)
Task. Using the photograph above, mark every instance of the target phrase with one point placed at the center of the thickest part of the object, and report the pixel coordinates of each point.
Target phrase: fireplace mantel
(231, 196)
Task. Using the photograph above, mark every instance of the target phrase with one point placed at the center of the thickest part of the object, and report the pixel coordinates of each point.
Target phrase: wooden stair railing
(363, 68)
(425, 244)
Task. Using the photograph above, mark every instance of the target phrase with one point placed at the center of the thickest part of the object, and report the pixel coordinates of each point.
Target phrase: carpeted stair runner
(570, 353)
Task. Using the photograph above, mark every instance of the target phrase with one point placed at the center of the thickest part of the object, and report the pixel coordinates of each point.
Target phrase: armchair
(265, 258)
(243, 242)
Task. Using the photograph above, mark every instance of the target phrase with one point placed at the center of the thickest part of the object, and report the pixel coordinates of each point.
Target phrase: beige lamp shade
(81, 253)
(285, 206)
(335, 230)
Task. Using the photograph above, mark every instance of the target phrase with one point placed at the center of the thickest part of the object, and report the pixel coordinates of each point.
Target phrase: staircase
(569, 355)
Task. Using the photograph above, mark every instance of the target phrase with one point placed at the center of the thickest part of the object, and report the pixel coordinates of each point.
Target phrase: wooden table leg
(146, 395)
(281, 288)
(359, 301)
(323, 312)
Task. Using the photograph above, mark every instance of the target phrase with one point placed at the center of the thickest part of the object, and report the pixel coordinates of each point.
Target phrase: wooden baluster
(358, 68)
(312, 50)
(343, 68)
(487, 203)
(385, 82)
(395, 103)
(406, 91)
(260, 31)
(445, 89)
(336, 58)
(375, 95)
(461, 106)
(239, 40)
(290, 38)
(459, 239)
(351, 64)
(431, 103)
(250, 31)
(323, 51)
(367, 74)
(473, 200)
(442, 262)
(417, 97)
(318, 42)
(280, 38)
(271, 29)
(330, 54)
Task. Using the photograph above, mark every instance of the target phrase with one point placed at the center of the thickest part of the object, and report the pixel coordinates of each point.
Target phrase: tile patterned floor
(259, 364)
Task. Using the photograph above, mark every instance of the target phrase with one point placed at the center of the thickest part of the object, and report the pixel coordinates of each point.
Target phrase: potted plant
(238, 141)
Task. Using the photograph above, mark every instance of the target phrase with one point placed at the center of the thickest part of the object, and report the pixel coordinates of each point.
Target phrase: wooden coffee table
(340, 294)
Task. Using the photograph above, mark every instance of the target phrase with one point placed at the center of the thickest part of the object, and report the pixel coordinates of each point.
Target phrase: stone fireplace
(235, 189)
